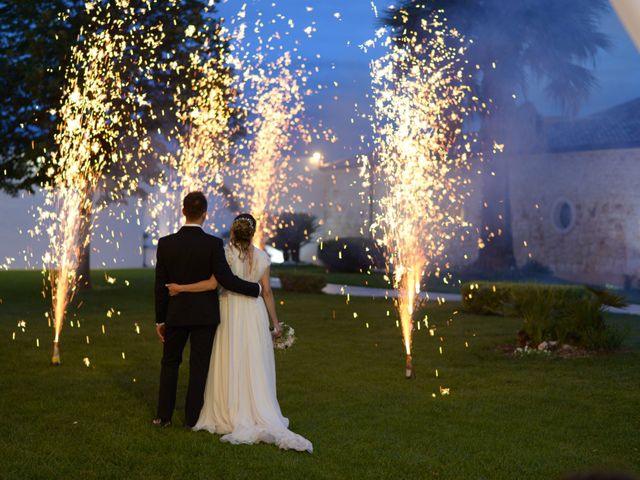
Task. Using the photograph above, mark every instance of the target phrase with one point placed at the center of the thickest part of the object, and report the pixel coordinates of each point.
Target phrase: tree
(513, 42)
(293, 231)
(36, 38)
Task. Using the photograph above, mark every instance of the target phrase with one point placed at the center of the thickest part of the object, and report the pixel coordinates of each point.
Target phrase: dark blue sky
(341, 26)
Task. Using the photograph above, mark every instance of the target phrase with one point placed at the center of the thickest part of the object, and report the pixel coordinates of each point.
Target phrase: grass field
(341, 385)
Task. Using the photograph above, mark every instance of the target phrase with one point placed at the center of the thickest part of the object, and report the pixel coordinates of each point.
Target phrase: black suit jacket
(189, 256)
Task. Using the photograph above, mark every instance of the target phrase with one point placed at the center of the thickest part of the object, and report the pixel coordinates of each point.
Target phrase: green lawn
(341, 385)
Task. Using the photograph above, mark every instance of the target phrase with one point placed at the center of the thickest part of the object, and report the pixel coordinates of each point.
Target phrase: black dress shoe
(158, 422)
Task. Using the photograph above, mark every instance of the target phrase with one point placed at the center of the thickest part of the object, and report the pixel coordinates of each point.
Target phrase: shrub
(537, 315)
(504, 298)
(351, 254)
(301, 282)
(484, 299)
(607, 297)
(566, 314)
(587, 327)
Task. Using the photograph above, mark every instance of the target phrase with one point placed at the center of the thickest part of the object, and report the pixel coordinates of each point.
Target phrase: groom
(188, 256)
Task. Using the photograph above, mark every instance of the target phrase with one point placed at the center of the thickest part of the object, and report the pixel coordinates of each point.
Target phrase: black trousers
(175, 339)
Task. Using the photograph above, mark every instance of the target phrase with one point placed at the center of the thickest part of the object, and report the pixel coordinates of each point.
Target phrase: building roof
(615, 128)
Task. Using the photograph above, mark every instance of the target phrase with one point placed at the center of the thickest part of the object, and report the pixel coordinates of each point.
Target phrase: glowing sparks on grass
(419, 95)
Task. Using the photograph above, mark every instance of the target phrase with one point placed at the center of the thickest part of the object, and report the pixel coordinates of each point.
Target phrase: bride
(240, 397)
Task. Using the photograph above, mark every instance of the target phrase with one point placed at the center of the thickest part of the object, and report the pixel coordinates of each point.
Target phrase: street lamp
(316, 159)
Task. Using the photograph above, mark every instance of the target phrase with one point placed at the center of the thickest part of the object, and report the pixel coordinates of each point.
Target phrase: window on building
(563, 215)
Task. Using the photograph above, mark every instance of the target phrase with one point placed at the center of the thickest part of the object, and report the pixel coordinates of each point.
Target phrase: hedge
(301, 282)
(572, 314)
(504, 298)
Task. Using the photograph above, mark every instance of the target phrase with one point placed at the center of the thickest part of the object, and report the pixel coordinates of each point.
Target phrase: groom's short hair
(194, 205)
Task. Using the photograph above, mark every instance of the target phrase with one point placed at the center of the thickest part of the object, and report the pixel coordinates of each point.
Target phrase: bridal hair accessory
(246, 218)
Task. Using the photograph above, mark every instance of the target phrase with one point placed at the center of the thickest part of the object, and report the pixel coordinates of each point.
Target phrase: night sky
(341, 60)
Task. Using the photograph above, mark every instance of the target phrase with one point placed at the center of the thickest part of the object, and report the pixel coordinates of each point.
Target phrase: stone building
(576, 201)
(574, 194)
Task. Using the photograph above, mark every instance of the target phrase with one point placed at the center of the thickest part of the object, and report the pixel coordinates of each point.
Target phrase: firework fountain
(274, 96)
(271, 85)
(203, 109)
(90, 129)
(419, 105)
(254, 153)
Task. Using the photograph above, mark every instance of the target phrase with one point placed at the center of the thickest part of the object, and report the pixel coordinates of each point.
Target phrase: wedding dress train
(240, 397)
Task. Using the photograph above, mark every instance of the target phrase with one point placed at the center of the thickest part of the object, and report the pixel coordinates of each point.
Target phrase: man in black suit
(189, 256)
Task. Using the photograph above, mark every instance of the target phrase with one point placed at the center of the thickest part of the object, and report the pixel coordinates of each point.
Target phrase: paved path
(353, 291)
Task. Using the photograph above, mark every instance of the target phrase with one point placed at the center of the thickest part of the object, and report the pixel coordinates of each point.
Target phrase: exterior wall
(601, 241)
(600, 244)
(337, 205)
(346, 211)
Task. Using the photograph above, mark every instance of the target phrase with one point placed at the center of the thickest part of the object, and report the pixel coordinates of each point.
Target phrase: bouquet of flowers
(286, 339)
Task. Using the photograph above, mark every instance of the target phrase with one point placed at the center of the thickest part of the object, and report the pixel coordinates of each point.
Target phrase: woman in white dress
(240, 397)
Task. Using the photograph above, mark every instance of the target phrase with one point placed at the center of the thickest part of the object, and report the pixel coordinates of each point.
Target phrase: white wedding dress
(240, 397)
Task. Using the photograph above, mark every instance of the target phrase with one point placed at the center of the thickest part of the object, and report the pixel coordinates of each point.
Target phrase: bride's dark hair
(242, 230)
